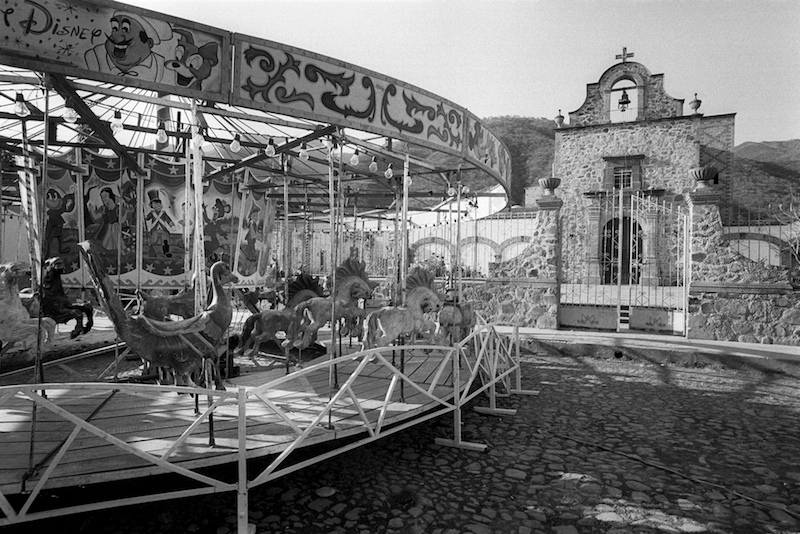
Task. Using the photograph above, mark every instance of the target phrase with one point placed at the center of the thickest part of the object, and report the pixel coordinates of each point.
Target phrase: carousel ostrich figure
(184, 346)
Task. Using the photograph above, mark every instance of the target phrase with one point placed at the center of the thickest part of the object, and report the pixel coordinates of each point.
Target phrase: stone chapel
(630, 227)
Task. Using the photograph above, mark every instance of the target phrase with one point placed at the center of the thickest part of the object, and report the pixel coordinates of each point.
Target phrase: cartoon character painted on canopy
(128, 49)
(216, 230)
(158, 224)
(251, 234)
(103, 213)
(57, 206)
(192, 64)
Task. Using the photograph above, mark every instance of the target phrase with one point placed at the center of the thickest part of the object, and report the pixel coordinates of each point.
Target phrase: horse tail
(292, 330)
(370, 330)
(247, 329)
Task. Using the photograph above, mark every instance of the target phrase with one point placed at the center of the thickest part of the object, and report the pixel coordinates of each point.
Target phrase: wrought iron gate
(635, 263)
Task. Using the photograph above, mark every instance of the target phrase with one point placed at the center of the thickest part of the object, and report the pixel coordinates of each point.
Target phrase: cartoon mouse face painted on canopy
(132, 38)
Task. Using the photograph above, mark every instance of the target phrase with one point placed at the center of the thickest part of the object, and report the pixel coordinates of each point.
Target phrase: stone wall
(733, 298)
(522, 303)
(524, 290)
(746, 317)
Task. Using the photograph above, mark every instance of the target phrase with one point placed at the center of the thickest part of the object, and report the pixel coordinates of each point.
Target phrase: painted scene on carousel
(146, 223)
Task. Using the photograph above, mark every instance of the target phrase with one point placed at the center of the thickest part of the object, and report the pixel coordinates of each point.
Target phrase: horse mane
(351, 267)
(420, 277)
(304, 282)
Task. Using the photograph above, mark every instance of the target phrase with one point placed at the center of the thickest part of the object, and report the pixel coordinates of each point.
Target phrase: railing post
(516, 358)
(492, 370)
(519, 390)
(242, 525)
(456, 442)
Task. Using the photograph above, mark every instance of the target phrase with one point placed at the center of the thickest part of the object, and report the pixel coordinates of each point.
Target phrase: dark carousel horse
(56, 304)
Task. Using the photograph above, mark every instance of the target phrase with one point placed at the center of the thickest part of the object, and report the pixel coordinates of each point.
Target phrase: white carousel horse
(386, 324)
(16, 324)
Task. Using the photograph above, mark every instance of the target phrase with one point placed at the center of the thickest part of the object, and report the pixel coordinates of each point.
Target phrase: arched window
(621, 92)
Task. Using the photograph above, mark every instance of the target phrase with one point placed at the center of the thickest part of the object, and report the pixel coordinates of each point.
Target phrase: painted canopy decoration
(94, 40)
(145, 233)
(106, 42)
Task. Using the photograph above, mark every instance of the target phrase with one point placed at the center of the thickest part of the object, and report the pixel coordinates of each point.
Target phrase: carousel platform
(58, 436)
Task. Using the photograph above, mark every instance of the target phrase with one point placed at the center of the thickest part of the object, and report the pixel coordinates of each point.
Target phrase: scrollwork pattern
(267, 64)
(343, 83)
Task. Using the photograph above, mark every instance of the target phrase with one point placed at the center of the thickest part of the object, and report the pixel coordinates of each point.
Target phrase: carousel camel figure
(187, 346)
(386, 324)
(16, 324)
(351, 284)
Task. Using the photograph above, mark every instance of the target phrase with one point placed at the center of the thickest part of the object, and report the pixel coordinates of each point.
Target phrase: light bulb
(20, 108)
(354, 160)
(116, 122)
(270, 149)
(236, 144)
(373, 166)
(205, 144)
(303, 152)
(464, 190)
(69, 115)
(389, 172)
(161, 134)
(451, 192)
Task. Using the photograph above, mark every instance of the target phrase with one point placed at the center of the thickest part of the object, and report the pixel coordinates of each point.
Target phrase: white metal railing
(489, 359)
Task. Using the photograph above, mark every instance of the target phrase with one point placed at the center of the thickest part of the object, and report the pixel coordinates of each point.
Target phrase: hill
(530, 142)
(780, 159)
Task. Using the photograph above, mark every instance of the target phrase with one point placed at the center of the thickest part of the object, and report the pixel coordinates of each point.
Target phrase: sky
(532, 58)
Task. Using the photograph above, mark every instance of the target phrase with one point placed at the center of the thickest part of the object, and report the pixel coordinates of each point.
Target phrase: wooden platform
(151, 419)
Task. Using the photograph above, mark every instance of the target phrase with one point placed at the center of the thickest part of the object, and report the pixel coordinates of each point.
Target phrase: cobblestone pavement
(608, 446)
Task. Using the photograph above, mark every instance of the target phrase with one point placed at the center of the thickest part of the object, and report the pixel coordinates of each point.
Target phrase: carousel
(193, 186)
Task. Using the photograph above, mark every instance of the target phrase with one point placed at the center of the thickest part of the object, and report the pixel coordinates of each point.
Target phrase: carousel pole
(140, 223)
(200, 292)
(187, 205)
(39, 224)
(404, 237)
(458, 239)
(404, 263)
(332, 379)
(200, 295)
(451, 282)
(287, 257)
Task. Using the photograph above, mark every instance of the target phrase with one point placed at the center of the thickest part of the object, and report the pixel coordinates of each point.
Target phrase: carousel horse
(16, 324)
(264, 326)
(456, 320)
(303, 287)
(186, 347)
(386, 324)
(351, 285)
(57, 305)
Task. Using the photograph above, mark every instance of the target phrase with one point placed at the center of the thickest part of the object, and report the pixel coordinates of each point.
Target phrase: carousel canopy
(287, 123)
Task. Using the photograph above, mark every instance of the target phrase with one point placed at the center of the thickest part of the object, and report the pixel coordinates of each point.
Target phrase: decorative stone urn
(704, 176)
(549, 185)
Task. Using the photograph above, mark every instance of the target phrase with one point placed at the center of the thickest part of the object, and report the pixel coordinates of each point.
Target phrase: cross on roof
(624, 55)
